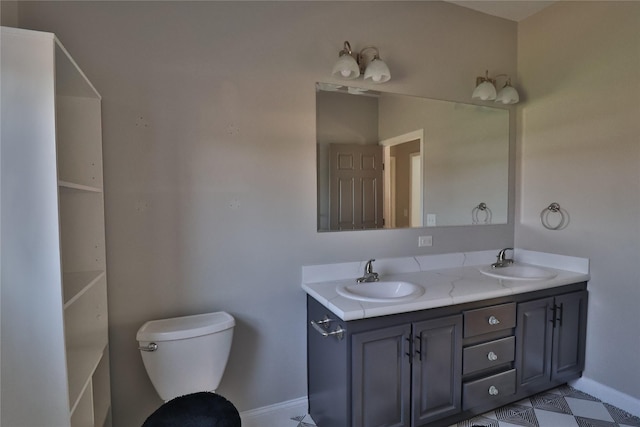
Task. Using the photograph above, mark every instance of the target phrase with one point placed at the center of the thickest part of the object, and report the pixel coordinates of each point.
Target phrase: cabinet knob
(493, 391)
(492, 356)
(493, 320)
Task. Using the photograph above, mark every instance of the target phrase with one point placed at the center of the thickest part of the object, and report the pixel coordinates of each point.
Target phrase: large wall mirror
(394, 161)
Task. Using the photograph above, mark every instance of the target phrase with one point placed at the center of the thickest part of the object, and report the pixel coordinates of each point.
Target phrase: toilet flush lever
(149, 347)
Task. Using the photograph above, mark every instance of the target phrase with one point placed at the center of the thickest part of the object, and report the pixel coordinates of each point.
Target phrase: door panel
(370, 202)
(533, 353)
(380, 377)
(355, 189)
(437, 369)
(569, 336)
(344, 203)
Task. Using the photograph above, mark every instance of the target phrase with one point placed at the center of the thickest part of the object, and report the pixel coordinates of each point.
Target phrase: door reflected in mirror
(395, 161)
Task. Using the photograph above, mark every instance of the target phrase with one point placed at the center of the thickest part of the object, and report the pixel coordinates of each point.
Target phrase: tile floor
(561, 407)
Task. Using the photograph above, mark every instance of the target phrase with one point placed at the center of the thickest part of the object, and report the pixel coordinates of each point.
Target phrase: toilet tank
(191, 353)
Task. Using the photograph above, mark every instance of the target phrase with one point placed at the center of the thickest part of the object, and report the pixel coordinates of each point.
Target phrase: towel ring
(555, 209)
(475, 214)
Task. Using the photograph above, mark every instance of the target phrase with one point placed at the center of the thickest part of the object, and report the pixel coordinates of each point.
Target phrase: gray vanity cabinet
(552, 335)
(438, 366)
(407, 371)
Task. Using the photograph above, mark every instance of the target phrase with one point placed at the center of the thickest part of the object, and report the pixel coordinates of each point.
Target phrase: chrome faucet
(369, 275)
(502, 260)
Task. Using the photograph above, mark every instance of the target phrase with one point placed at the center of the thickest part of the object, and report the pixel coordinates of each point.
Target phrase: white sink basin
(518, 272)
(383, 291)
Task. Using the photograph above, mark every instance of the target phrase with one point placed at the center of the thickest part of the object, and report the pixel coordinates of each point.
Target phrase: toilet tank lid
(185, 327)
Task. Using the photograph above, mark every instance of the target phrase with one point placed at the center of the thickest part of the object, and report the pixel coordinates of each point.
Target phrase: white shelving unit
(54, 321)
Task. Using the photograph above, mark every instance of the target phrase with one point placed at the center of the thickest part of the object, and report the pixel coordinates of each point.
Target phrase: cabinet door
(380, 373)
(569, 336)
(551, 339)
(437, 369)
(534, 333)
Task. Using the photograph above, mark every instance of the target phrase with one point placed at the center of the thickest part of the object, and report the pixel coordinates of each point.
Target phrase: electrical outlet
(425, 241)
(431, 220)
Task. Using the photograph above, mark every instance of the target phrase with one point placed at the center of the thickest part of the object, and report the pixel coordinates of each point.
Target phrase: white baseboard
(275, 415)
(278, 414)
(608, 395)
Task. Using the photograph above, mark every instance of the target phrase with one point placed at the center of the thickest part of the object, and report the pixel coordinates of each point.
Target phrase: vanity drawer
(489, 319)
(487, 389)
(483, 356)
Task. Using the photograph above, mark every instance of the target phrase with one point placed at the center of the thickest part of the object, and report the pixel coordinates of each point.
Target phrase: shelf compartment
(102, 391)
(75, 284)
(82, 231)
(79, 140)
(86, 337)
(81, 365)
(70, 79)
(82, 415)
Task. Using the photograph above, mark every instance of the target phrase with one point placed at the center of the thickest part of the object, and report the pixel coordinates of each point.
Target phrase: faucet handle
(368, 268)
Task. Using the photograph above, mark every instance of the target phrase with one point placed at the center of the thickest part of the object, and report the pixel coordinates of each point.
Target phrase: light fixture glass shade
(508, 95)
(346, 68)
(377, 71)
(485, 91)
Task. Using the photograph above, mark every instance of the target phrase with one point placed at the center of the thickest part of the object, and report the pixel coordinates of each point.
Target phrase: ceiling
(514, 10)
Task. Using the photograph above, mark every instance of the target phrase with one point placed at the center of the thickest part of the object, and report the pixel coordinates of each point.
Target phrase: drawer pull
(493, 320)
(493, 391)
(492, 356)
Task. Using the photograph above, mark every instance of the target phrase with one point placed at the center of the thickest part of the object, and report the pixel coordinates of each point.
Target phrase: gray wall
(9, 13)
(580, 146)
(210, 161)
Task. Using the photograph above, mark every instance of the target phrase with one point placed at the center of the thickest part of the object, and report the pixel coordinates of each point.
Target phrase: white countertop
(448, 279)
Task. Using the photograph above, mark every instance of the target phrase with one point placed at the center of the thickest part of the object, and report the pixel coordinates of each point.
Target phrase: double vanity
(439, 339)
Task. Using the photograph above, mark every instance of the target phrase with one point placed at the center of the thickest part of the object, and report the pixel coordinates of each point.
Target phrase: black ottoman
(202, 409)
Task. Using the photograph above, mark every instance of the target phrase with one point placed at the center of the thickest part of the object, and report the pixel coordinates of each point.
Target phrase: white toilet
(185, 355)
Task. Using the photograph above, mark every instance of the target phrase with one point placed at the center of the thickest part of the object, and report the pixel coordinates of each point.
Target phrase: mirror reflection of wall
(462, 157)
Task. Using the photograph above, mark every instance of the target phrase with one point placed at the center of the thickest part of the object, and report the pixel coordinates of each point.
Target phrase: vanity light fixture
(351, 65)
(486, 90)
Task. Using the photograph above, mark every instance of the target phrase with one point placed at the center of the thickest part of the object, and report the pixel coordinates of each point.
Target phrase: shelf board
(79, 187)
(81, 364)
(75, 284)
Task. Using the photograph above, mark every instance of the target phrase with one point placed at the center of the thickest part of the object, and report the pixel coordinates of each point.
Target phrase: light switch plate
(425, 241)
